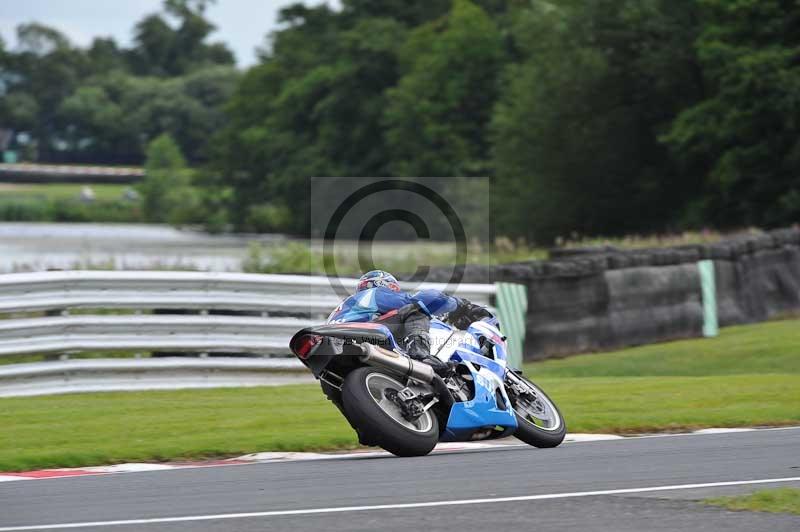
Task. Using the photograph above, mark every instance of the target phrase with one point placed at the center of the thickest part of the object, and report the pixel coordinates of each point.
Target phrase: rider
(378, 298)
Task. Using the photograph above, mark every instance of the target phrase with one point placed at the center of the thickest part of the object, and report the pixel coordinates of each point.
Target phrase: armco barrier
(103, 375)
(198, 313)
(282, 294)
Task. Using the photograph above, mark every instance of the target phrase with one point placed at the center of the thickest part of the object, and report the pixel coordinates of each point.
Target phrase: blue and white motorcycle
(401, 405)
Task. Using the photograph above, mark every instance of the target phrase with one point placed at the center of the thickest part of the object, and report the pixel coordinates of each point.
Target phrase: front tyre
(366, 397)
(539, 421)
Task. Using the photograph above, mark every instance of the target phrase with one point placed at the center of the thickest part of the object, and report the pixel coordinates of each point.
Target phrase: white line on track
(343, 509)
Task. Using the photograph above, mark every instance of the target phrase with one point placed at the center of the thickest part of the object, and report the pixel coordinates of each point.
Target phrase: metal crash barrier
(247, 317)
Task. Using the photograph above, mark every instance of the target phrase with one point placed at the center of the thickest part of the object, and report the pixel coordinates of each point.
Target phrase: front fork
(515, 387)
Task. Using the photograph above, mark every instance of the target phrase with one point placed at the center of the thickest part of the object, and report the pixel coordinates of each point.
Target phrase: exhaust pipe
(377, 356)
(383, 358)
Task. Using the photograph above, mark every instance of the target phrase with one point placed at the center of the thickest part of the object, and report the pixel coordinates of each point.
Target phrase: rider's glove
(467, 313)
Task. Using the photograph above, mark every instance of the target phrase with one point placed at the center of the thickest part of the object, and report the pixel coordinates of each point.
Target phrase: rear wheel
(370, 404)
(539, 421)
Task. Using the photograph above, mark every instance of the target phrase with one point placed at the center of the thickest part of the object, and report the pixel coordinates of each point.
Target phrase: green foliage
(290, 257)
(19, 108)
(63, 203)
(116, 211)
(742, 137)
(26, 210)
(266, 218)
(102, 104)
(110, 116)
(163, 51)
(576, 133)
(312, 108)
(167, 191)
(605, 117)
(35, 209)
(353, 94)
(438, 112)
(164, 154)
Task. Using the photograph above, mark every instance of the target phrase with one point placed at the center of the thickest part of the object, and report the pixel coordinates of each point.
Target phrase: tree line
(104, 103)
(600, 117)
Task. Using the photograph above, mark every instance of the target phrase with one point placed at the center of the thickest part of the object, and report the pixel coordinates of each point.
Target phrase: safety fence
(229, 328)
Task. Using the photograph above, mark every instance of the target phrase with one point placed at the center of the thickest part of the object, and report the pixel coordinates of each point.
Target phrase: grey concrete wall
(759, 285)
(613, 308)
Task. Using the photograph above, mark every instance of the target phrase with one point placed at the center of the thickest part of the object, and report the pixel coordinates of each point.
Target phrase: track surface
(573, 468)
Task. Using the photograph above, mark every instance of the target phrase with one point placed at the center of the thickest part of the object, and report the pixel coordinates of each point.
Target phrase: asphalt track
(632, 484)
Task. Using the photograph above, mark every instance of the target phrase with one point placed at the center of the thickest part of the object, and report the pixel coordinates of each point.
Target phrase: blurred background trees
(103, 104)
(610, 116)
(743, 135)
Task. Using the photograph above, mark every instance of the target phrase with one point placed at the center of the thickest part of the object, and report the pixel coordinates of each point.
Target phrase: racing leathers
(408, 316)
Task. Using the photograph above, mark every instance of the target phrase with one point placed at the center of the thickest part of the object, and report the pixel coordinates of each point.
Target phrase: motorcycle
(401, 405)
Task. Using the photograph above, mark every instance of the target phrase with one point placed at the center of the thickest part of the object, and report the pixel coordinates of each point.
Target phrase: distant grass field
(60, 202)
(62, 191)
(748, 376)
(782, 500)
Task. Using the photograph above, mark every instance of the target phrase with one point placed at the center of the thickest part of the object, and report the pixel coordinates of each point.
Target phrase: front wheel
(369, 400)
(539, 421)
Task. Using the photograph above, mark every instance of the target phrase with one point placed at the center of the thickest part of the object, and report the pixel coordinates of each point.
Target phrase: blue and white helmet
(377, 278)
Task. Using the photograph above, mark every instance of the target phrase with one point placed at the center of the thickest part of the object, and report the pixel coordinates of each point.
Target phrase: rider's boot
(418, 347)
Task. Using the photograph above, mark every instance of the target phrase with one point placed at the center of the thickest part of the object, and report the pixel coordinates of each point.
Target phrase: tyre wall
(603, 298)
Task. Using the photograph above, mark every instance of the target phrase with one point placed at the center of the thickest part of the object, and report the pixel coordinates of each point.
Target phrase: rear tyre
(379, 420)
(539, 422)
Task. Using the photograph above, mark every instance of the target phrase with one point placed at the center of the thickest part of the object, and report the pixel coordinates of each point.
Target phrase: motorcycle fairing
(482, 410)
(496, 368)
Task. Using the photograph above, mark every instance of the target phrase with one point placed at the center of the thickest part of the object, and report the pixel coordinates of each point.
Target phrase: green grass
(62, 191)
(82, 429)
(782, 500)
(749, 376)
(627, 405)
(57, 202)
(771, 347)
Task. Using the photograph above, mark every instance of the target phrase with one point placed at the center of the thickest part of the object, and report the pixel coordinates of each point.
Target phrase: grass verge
(98, 428)
(627, 405)
(782, 500)
(772, 347)
(748, 376)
